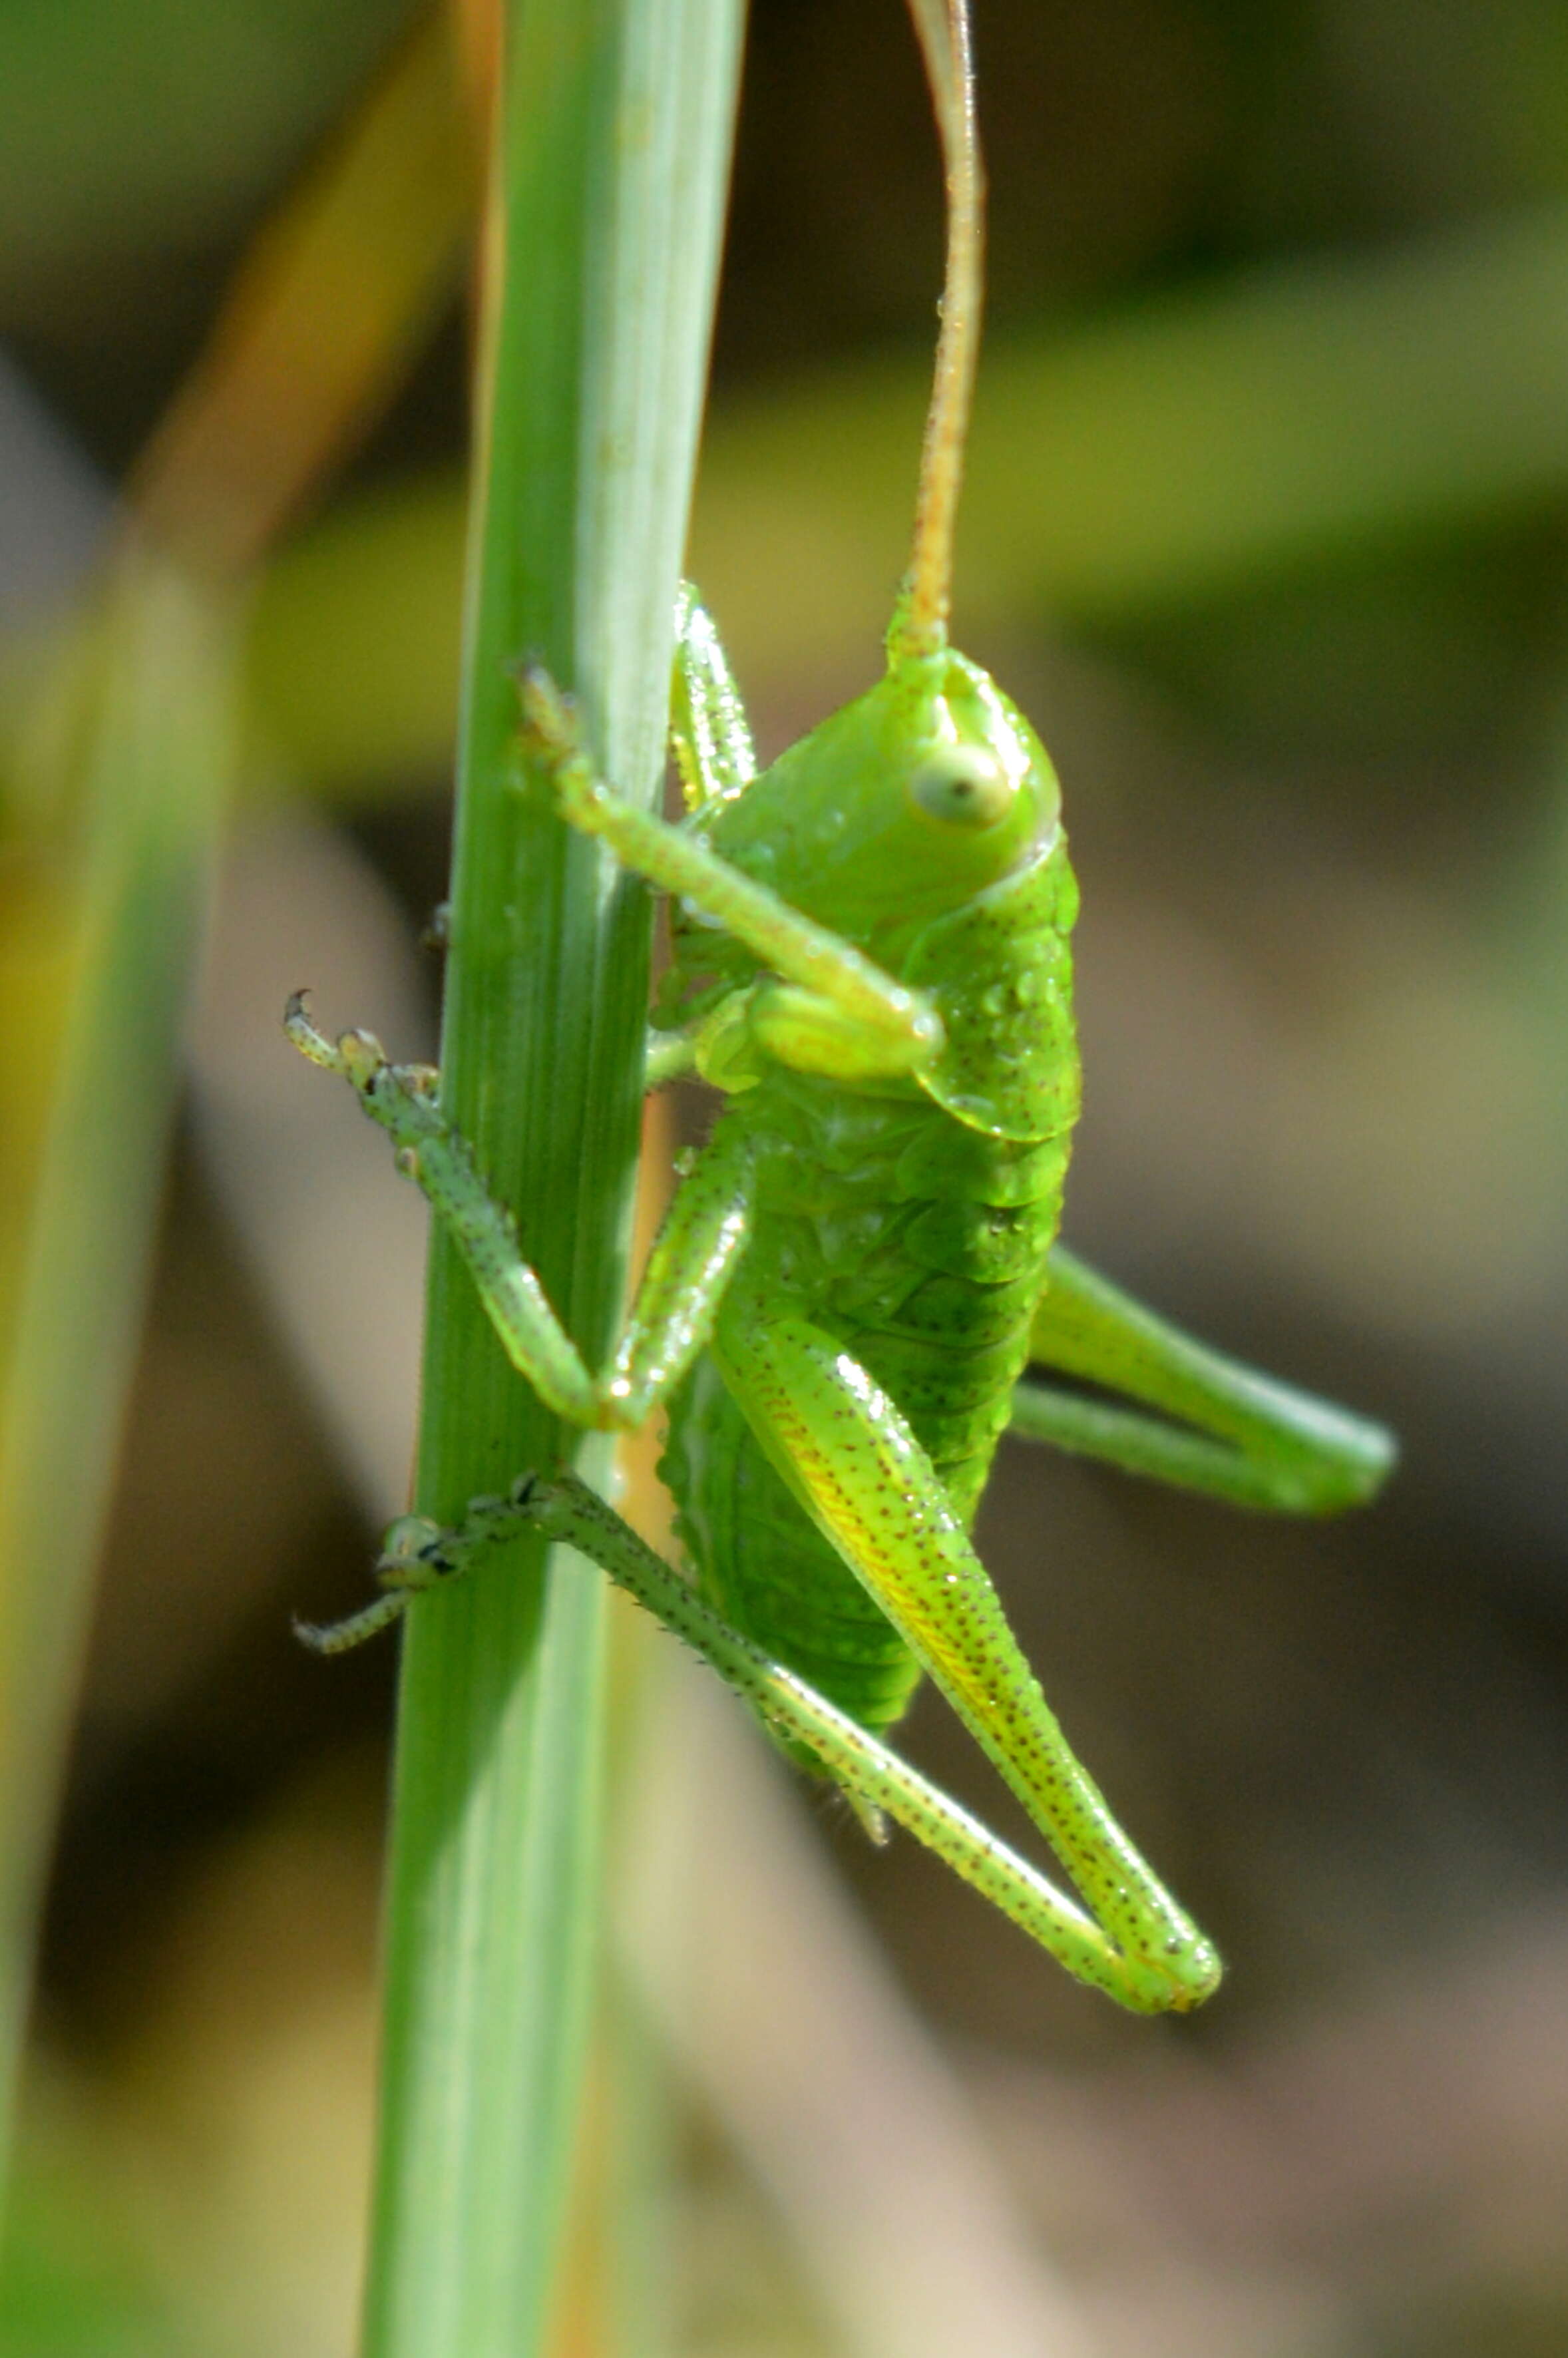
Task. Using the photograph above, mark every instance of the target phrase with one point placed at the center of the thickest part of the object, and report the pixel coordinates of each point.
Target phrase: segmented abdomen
(919, 1245)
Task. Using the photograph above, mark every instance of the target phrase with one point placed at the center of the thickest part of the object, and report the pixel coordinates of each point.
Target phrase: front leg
(832, 1010)
(691, 1263)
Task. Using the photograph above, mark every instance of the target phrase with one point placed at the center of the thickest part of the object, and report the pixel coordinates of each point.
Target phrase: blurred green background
(1267, 530)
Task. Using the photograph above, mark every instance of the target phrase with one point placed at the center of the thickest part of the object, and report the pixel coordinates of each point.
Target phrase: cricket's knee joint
(1346, 1468)
(624, 1405)
(784, 1024)
(812, 1032)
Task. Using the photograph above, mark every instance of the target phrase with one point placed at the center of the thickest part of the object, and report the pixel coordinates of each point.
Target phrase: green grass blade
(155, 773)
(616, 120)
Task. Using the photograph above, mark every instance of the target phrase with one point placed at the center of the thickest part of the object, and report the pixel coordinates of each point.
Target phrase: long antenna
(943, 30)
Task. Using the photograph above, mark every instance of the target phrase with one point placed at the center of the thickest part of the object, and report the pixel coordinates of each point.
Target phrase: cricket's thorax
(918, 1242)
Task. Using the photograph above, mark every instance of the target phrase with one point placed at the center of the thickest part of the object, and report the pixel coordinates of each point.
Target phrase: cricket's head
(902, 806)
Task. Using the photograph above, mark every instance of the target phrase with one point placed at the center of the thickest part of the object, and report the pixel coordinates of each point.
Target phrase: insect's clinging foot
(413, 1557)
(552, 733)
(355, 1628)
(552, 739)
(313, 1044)
(357, 1057)
(418, 1553)
(549, 717)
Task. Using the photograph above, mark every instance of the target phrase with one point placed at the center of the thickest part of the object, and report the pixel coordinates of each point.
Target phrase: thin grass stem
(602, 250)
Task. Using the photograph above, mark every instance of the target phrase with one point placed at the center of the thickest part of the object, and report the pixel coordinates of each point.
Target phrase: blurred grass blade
(318, 330)
(1200, 442)
(337, 292)
(615, 121)
(316, 333)
(155, 775)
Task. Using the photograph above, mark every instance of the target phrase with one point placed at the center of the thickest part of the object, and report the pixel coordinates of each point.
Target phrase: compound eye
(963, 784)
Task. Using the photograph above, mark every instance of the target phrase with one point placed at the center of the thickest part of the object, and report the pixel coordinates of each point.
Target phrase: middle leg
(831, 1009)
(693, 1260)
